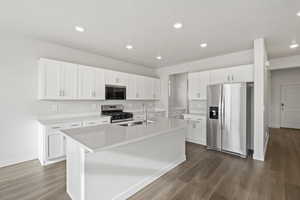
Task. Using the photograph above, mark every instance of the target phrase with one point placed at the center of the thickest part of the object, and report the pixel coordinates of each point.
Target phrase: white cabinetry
(90, 83)
(196, 129)
(57, 80)
(198, 85)
(142, 88)
(156, 88)
(56, 145)
(243, 73)
(116, 78)
(66, 81)
(52, 143)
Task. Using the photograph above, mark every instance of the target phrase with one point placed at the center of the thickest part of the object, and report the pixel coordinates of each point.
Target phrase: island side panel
(120, 172)
(75, 170)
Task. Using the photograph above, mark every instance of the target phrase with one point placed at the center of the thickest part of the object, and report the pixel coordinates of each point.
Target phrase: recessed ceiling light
(294, 45)
(298, 14)
(128, 46)
(178, 25)
(158, 57)
(203, 45)
(79, 28)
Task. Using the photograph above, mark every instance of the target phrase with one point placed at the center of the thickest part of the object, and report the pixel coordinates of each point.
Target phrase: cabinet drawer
(96, 122)
(73, 125)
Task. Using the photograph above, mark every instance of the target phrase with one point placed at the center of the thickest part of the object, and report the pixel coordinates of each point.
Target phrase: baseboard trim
(16, 162)
(266, 145)
(137, 187)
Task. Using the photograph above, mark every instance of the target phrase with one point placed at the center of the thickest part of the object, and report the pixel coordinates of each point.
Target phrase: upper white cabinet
(243, 73)
(90, 83)
(57, 80)
(156, 88)
(66, 81)
(198, 85)
(142, 88)
(116, 78)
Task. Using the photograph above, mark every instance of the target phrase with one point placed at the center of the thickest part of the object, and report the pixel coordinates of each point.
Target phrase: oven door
(115, 92)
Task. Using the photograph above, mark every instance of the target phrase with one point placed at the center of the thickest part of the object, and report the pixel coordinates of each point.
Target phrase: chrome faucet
(145, 114)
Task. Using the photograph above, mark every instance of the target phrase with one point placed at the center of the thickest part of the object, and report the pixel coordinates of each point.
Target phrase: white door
(290, 107)
(56, 146)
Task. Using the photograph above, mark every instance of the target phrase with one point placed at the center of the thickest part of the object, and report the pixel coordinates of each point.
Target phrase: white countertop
(107, 136)
(53, 121)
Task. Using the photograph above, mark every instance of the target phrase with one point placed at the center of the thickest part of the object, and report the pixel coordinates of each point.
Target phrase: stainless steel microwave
(113, 92)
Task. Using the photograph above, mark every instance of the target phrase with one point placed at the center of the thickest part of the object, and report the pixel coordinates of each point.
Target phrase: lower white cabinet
(56, 145)
(52, 144)
(196, 129)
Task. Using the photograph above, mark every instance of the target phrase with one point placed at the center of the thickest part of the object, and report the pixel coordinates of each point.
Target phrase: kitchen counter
(52, 121)
(114, 162)
(103, 137)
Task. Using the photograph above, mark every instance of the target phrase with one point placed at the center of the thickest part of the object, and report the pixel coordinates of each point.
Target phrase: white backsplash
(198, 106)
(50, 108)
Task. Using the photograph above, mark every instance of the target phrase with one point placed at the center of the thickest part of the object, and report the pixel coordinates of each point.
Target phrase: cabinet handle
(232, 77)
(56, 127)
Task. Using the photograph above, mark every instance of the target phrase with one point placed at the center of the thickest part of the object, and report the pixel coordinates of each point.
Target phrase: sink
(136, 123)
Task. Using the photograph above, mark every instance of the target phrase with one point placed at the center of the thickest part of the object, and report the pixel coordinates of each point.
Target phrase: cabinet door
(116, 78)
(219, 76)
(99, 87)
(50, 87)
(140, 91)
(242, 74)
(193, 86)
(148, 88)
(68, 79)
(131, 90)
(156, 88)
(56, 146)
(86, 82)
(198, 85)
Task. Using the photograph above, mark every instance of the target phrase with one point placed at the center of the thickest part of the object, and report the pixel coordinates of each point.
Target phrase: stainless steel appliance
(113, 92)
(227, 118)
(116, 113)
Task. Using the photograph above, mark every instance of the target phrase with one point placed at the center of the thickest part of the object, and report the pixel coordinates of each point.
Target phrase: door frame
(280, 100)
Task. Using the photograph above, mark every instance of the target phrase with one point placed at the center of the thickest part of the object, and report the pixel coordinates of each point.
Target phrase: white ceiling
(227, 26)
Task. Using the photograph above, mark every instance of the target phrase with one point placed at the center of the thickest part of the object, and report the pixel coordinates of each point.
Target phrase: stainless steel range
(116, 113)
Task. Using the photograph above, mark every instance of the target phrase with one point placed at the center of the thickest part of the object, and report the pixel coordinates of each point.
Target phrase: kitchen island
(114, 162)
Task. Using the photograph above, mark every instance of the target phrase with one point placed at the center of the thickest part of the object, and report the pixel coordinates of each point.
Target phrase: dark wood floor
(205, 175)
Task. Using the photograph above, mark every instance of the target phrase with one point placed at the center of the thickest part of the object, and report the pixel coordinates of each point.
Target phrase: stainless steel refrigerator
(227, 118)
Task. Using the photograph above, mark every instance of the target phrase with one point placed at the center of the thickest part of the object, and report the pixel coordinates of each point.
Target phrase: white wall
(18, 97)
(280, 77)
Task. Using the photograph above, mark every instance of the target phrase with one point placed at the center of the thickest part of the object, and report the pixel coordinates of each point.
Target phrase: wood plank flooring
(206, 175)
